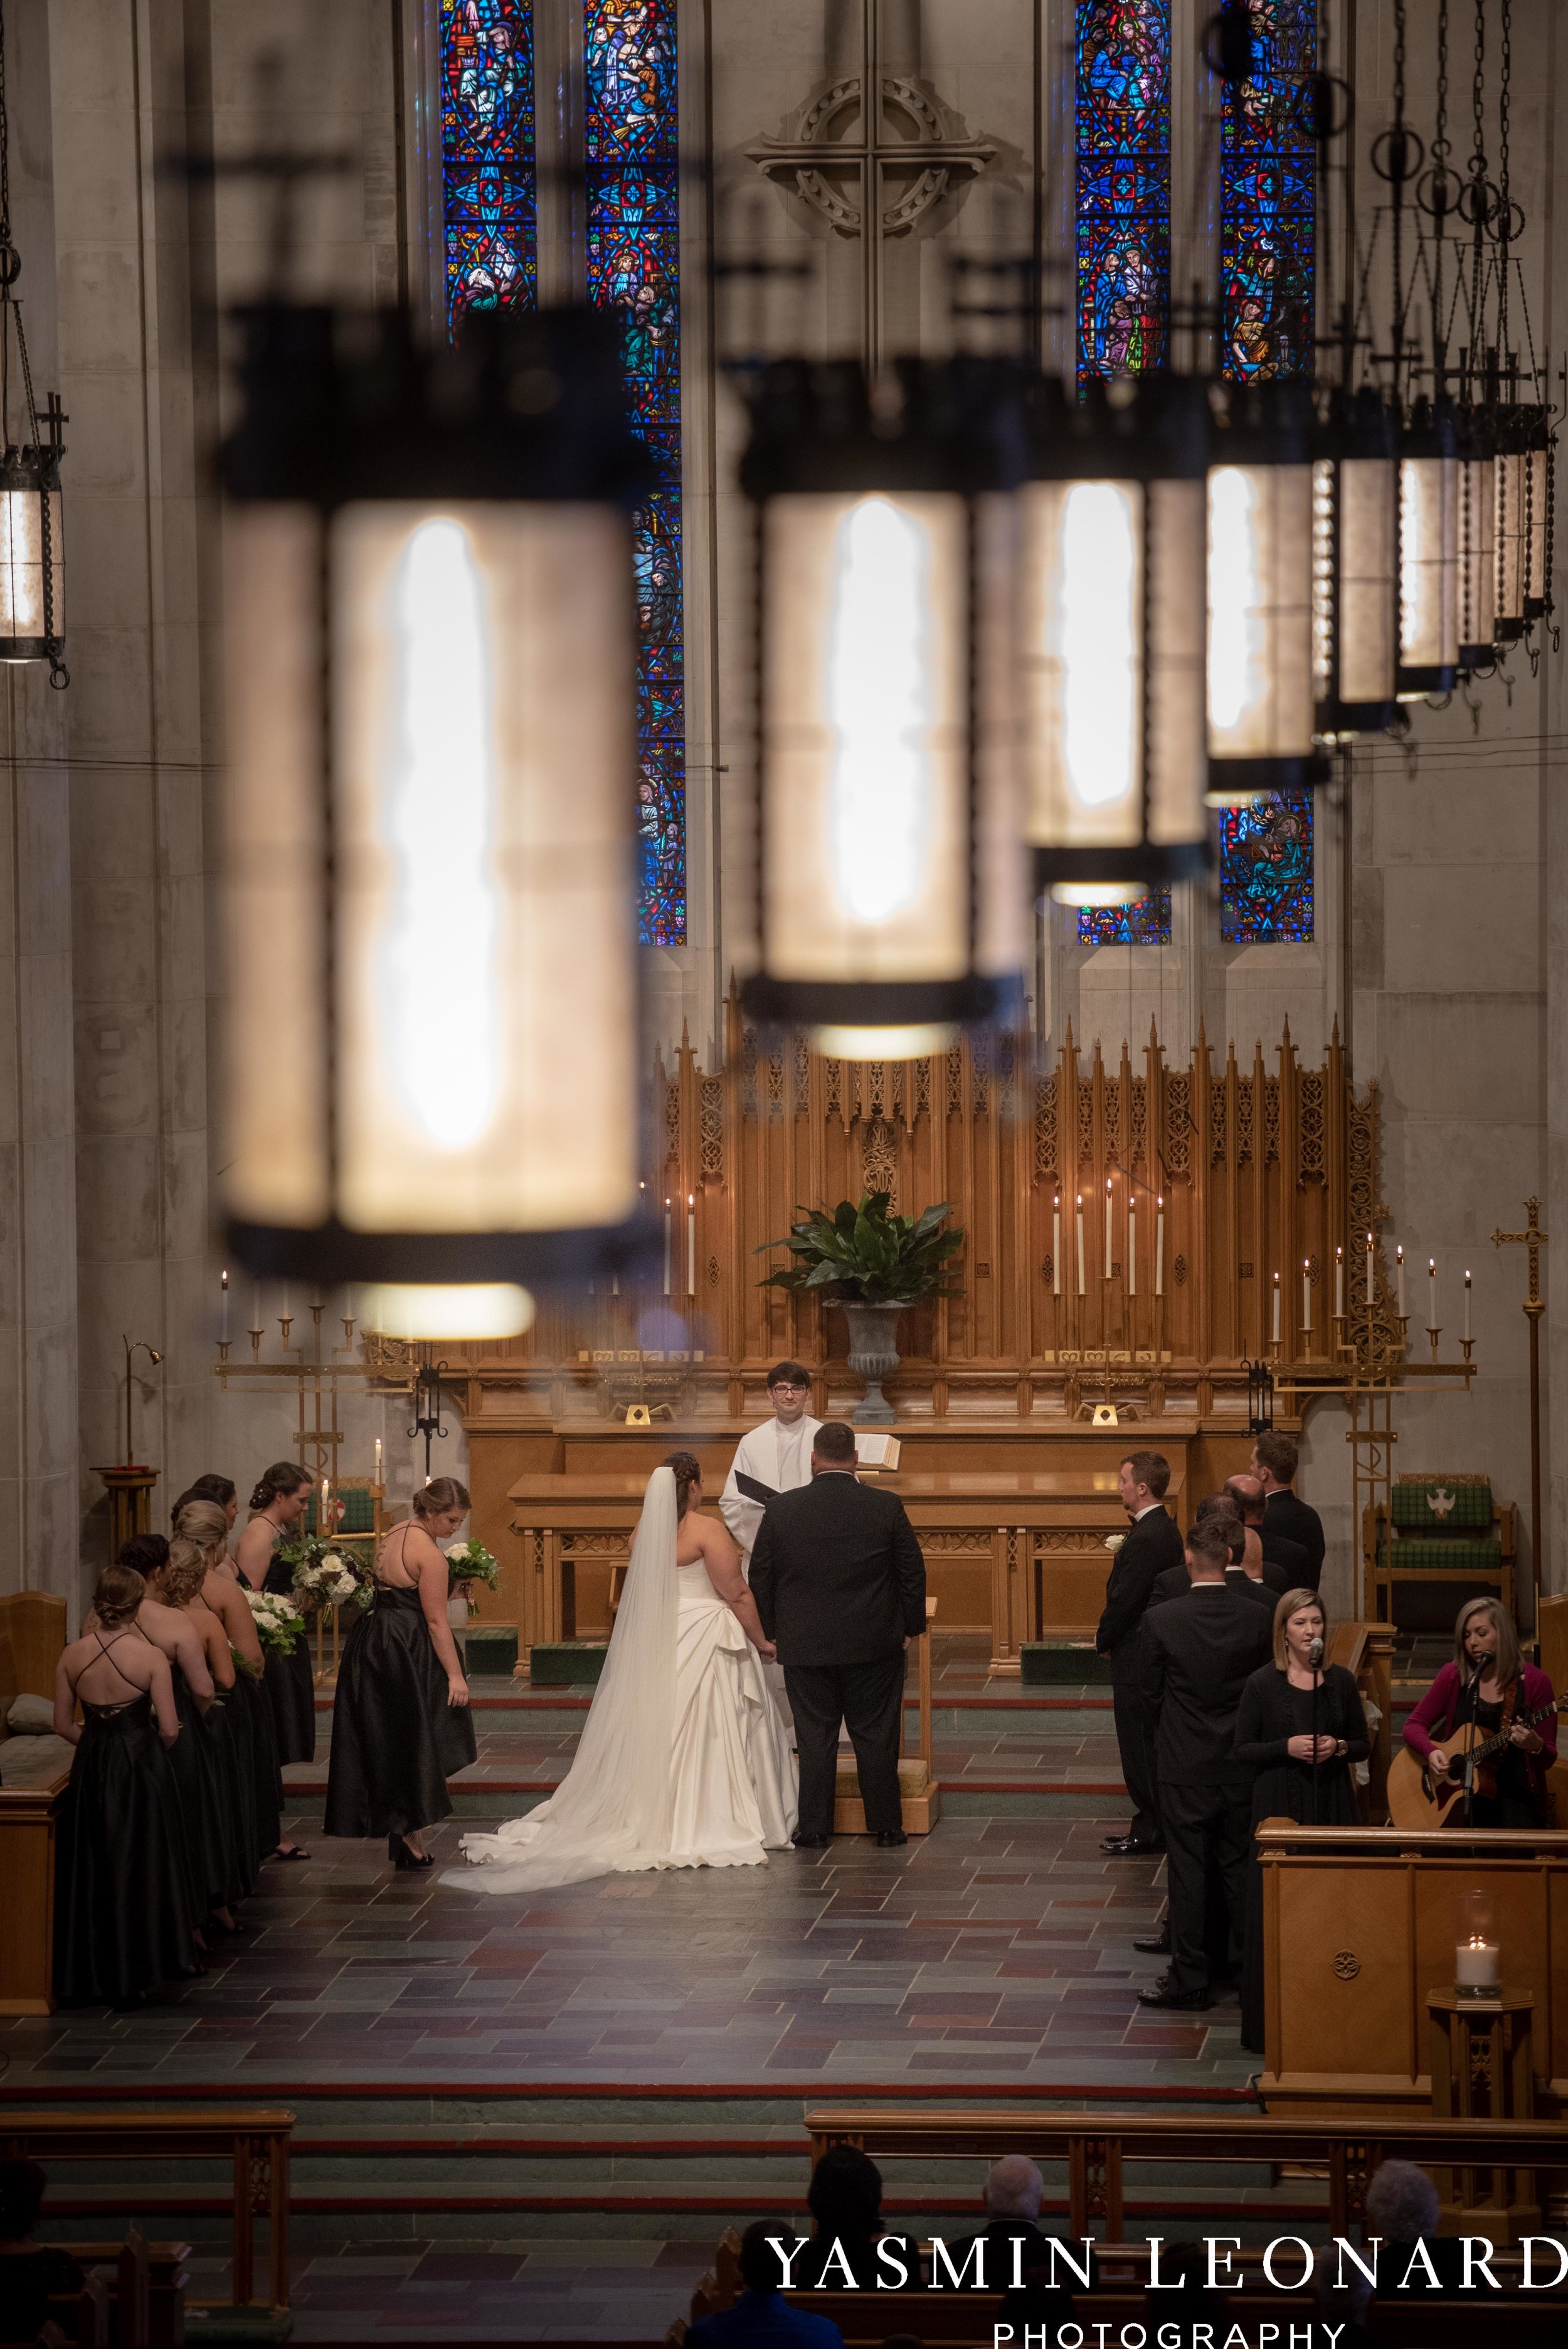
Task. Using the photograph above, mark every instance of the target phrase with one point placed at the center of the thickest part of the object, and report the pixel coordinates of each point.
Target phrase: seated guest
(1403, 2213)
(1186, 2265)
(1271, 1555)
(1197, 1658)
(1301, 1727)
(1014, 2192)
(29, 2270)
(760, 2315)
(844, 2198)
(1489, 1684)
(1274, 1463)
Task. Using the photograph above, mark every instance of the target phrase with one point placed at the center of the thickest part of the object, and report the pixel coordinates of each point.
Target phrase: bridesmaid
(206, 1524)
(288, 1683)
(400, 1719)
(231, 1837)
(1303, 1726)
(191, 1759)
(222, 1490)
(122, 1914)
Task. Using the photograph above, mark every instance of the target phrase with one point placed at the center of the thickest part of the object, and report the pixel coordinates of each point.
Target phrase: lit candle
(1057, 1244)
(691, 1243)
(1477, 1965)
(1275, 1331)
(1340, 1283)
(1081, 1242)
(1306, 1295)
(378, 1459)
(1131, 1245)
(1368, 1268)
(1433, 1292)
(1466, 1304)
(324, 1514)
(667, 1247)
(224, 1310)
(1160, 1245)
(1108, 1227)
(1399, 1273)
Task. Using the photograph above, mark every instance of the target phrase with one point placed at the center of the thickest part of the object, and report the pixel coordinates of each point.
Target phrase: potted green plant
(873, 1263)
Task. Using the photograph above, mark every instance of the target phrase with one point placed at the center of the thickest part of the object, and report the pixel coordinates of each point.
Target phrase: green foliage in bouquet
(324, 1575)
(280, 1625)
(469, 1562)
(863, 1254)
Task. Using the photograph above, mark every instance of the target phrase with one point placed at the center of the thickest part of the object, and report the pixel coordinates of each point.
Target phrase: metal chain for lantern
(30, 567)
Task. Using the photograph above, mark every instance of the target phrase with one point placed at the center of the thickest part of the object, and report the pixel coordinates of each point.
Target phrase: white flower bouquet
(469, 1562)
(279, 1623)
(325, 1577)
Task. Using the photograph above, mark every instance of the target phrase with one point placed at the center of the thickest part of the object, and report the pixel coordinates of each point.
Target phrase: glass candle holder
(1477, 1953)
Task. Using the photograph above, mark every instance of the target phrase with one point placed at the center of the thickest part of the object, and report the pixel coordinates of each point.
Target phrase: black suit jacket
(1197, 1659)
(1292, 1558)
(837, 1573)
(1176, 1582)
(1285, 1513)
(1152, 1545)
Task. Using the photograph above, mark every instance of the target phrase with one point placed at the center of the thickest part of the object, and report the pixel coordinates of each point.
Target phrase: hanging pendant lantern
(1476, 454)
(1540, 465)
(1261, 668)
(1429, 551)
(429, 801)
(1515, 434)
(890, 909)
(1355, 576)
(31, 537)
(1110, 640)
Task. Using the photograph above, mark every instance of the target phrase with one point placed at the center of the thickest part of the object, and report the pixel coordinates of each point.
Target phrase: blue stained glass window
(1123, 148)
(1266, 175)
(632, 153)
(487, 157)
(1146, 924)
(1265, 871)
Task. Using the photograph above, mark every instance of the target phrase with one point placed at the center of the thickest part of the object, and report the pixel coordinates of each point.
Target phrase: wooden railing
(1096, 2149)
(257, 2143)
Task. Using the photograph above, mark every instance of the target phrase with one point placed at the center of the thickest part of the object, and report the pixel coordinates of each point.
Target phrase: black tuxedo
(839, 1585)
(1151, 1545)
(1288, 1514)
(1198, 1656)
(1176, 1582)
(1292, 1558)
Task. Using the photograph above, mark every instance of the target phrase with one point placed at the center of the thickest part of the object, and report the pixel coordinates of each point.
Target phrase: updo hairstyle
(186, 1571)
(120, 1589)
(205, 1523)
(688, 1471)
(284, 1477)
(433, 1500)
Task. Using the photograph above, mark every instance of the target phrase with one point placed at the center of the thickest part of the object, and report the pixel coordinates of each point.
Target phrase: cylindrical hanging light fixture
(1539, 460)
(1515, 431)
(32, 539)
(1110, 640)
(890, 905)
(1477, 459)
(1261, 666)
(1429, 551)
(428, 606)
(1355, 566)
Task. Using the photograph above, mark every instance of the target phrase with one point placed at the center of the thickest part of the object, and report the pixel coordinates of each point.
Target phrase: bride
(684, 1761)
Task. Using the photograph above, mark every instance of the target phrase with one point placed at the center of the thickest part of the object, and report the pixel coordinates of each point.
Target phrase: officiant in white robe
(776, 1455)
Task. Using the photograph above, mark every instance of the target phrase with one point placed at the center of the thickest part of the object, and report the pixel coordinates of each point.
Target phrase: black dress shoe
(1124, 1846)
(1187, 2000)
(889, 1838)
(810, 1843)
(1157, 1945)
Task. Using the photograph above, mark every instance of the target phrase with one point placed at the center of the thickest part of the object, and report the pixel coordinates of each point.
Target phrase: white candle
(1477, 1965)
(1131, 1246)
(224, 1310)
(1108, 1227)
(323, 1514)
(256, 1308)
(1340, 1283)
(315, 1300)
(1081, 1242)
(1306, 1295)
(1057, 1244)
(284, 1313)
(667, 1247)
(1466, 1304)
(691, 1243)
(1275, 1331)
(1160, 1245)
(1399, 1273)
(1433, 1292)
(1368, 1268)
(378, 1459)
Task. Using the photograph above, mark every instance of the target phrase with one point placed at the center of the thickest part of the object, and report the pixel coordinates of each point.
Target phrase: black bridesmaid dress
(1271, 1713)
(260, 1788)
(122, 1876)
(205, 1805)
(288, 1683)
(395, 1741)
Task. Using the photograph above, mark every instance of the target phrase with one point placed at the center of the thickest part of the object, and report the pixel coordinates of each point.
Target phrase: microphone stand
(1315, 1654)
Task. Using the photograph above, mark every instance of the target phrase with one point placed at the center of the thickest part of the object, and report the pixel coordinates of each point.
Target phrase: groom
(839, 1584)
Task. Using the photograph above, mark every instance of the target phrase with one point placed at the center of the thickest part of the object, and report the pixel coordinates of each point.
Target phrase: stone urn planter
(874, 1356)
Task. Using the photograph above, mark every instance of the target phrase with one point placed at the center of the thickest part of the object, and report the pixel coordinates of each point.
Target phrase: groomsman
(1274, 1463)
(1153, 1543)
(1285, 1563)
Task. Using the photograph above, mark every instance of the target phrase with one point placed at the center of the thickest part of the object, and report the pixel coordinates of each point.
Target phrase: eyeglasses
(790, 1386)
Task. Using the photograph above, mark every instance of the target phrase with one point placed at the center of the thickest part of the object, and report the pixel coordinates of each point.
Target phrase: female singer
(122, 1902)
(288, 1684)
(1489, 1684)
(1302, 1725)
(206, 1523)
(400, 1719)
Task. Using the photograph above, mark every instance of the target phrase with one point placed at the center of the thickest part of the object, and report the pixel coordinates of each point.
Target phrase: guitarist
(1489, 1684)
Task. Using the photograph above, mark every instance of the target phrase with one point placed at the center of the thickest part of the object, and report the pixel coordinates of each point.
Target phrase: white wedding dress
(684, 1761)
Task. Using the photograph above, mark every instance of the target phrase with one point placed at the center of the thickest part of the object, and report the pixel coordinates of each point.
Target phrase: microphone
(1315, 1654)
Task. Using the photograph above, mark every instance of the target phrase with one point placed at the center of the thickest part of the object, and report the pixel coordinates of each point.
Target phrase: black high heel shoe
(398, 1852)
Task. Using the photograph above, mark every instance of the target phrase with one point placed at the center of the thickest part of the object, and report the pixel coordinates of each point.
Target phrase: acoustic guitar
(1417, 1799)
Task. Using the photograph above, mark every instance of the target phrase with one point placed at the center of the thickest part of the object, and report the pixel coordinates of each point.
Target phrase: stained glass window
(1146, 924)
(1265, 871)
(632, 151)
(487, 157)
(1123, 147)
(1266, 167)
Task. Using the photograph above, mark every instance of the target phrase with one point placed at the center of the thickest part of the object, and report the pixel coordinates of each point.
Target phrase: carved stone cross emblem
(872, 147)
